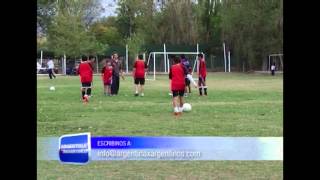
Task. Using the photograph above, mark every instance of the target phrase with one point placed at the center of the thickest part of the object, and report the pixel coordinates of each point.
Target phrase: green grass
(237, 105)
(169, 170)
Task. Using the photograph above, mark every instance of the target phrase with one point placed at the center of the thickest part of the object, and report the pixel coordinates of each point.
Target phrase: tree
(68, 36)
(127, 12)
(252, 29)
(106, 33)
(177, 23)
(46, 10)
(88, 10)
(135, 44)
(68, 32)
(209, 19)
(146, 21)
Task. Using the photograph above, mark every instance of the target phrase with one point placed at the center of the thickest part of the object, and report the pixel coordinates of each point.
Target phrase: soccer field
(237, 105)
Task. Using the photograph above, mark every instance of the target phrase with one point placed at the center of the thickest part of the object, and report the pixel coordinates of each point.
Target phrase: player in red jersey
(85, 72)
(107, 78)
(177, 75)
(139, 69)
(202, 72)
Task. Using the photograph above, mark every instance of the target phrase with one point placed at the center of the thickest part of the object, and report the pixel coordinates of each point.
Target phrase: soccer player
(139, 69)
(117, 71)
(202, 72)
(50, 65)
(86, 75)
(187, 66)
(273, 69)
(107, 78)
(177, 75)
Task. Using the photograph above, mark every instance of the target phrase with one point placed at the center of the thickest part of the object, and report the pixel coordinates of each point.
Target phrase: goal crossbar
(176, 53)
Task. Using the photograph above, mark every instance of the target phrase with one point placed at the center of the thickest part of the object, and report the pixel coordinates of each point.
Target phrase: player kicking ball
(85, 72)
(177, 75)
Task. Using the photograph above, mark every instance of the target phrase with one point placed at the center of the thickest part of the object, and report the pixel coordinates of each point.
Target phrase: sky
(109, 6)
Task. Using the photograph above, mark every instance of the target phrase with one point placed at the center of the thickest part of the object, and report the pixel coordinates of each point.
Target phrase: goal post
(166, 61)
(277, 59)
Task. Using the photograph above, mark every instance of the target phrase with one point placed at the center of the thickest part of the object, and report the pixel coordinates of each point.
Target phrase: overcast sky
(109, 6)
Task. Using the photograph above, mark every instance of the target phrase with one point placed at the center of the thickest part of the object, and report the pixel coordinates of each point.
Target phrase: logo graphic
(75, 148)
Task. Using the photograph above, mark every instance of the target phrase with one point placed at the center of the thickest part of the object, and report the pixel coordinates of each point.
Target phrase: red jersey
(202, 68)
(86, 73)
(139, 65)
(107, 73)
(177, 76)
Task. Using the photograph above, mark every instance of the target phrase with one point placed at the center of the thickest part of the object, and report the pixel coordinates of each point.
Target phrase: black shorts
(139, 81)
(187, 81)
(176, 93)
(50, 71)
(86, 84)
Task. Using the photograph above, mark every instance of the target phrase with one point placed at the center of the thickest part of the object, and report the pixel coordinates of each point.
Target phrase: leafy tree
(127, 11)
(135, 44)
(68, 32)
(252, 29)
(46, 9)
(106, 33)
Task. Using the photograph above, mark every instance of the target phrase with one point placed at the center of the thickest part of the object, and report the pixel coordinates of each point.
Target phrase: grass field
(237, 105)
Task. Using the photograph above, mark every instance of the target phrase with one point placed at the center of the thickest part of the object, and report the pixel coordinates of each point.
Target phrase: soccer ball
(52, 88)
(186, 107)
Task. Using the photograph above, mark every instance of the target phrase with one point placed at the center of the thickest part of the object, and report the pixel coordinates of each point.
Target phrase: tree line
(251, 29)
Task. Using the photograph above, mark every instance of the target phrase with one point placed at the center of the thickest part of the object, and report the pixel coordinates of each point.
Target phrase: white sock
(176, 109)
(180, 109)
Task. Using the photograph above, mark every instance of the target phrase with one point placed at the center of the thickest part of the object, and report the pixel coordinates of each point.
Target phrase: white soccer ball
(186, 107)
(52, 88)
